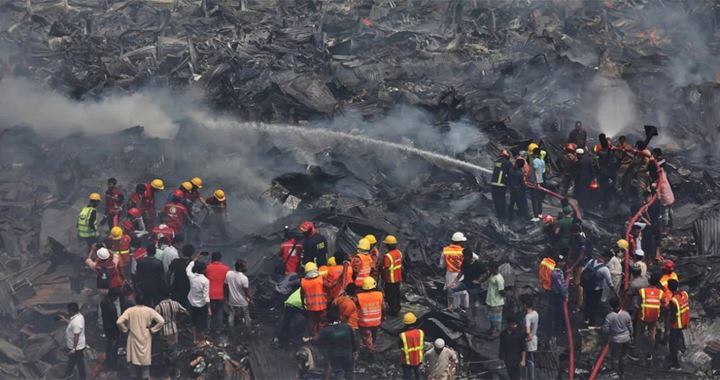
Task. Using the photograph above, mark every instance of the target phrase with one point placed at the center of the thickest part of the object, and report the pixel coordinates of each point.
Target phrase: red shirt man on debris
(216, 272)
(114, 198)
(175, 215)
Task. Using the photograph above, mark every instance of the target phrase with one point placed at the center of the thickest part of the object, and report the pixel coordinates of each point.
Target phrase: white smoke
(613, 106)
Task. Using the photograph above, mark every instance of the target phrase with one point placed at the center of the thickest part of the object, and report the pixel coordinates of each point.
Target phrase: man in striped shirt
(169, 310)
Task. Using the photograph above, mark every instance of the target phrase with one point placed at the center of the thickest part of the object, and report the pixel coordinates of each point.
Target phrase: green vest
(85, 230)
(295, 300)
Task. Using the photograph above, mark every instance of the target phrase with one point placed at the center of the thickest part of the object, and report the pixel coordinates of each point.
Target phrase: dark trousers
(518, 199)
(537, 201)
(76, 359)
(557, 320)
(498, 196)
(675, 344)
(343, 367)
(111, 349)
(392, 295)
(617, 356)
(292, 324)
(513, 370)
(216, 306)
(411, 372)
(592, 304)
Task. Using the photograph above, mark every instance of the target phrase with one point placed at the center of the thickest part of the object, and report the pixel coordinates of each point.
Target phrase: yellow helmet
(220, 195)
(187, 186)
(623, 244)
(157, 184)
(197, 182)
(311, 266)
(369, 283)
(532, 147)
(409, 318)
(95, 197)
(116, 233)
(331, 262)
(363, 245)
(390, 240)
(371, 238)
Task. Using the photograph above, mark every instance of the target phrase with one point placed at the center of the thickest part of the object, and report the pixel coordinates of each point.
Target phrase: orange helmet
(570, 147)
(307, 227)
(548, 220)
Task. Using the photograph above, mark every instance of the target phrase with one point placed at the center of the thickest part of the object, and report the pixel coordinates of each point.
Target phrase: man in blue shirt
(537, 173)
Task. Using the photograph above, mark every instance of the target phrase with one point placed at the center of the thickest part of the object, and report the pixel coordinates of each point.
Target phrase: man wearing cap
(451, 259)
(441, 361)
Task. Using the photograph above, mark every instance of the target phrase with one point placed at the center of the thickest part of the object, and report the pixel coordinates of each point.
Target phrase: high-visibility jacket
(337, 278)
(314, 294)
(295, 300)
(667, 294)
(370, 305)
(121, 247)
(392, 263)
(413, 344)
(85, 229)
(362, 263)
(681, 316)
(650, 304)
(545, 272)
(500, 172)
(453, 255)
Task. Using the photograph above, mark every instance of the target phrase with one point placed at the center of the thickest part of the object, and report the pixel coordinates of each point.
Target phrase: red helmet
(668, 265)
(548, 220)
(179, 194)
(570, 147)
(505, 153)
(307, 226)
(134, 212)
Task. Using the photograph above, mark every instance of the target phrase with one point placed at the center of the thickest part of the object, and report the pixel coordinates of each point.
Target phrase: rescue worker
(584, 177)
(338, 275)
(185, 188)
(547, 265)
(347, 306)
(118, 243)
(412, 345)
(137, 200)
(374, 254)
(499, 183)
(133, 224)
(626, 159)
(163, 231)
(105, 266)
(218, 217)
(370, 312)
(607, 169)
(174, 214)
(315, 247)
(668, 273)
(312, 293)
(563, 231)
(648, 306)
(290, 253)
(451, 259)
(194, 195)
(114, 198)
(392, 274)
(87, 222)
(678, 319)
(362, 262)
(558, 296)
(578, 135)
(518, 190)
(152, 188)
(568, 167)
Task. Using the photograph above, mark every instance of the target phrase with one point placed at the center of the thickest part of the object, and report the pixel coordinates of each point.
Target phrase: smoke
(615, 109)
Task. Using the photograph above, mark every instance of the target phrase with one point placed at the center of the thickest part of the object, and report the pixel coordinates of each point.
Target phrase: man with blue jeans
(531, 324)
(558, 295)
(469, 279)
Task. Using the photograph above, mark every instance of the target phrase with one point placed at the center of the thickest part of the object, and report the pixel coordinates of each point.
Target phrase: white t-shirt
(169, 253)
(76, 326)
(237, 281)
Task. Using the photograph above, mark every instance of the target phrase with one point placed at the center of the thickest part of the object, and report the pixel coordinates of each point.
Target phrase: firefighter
(137, 200)
(412, 346)
(133, 224)
(114, 198)
(362, 262)
(290, 253)
(312, 293)
(668, 273)
(152, 188)
(105, 266)
(451, 259)
(218, 217)
(185, 187)
(568, 166)
(648, 306)
(374, 254)
(87, 222)
(194, 195)
(392, 274)
(499, 183)
(338, 275)
(547, 265)
(315, 247)
(175, 215)
(370, 312)
(118, 243)
(678, 319)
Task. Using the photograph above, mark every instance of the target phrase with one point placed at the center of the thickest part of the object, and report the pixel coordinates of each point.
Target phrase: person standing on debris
(177, 277)
(370, 312)
(594, 278)
(499, 183)
(578, 135)
(362, 262)
(341, 346)
(175, 214)
(338, 275)
(87, 222)
(531, 325)
(216, 272)
(315, 247)
(134, 225)
(392, 274)
(616, 268)
(568, 167)
(312, 292)
(668, 273)
(194, 193)
(637, 283)
(150, 277)
(106, 266)
(118, 243)
(412, 347)
(664, 189)
(626, 159)
(647, 302)
(558, 295)
(137, 200)
(140, 322)
(169, 252)
(374, 253)
(495, 299)
(512, 349)
(563, 231)
(238, 295)
(471, 273)
(537, 174)
(584, 177)
(151, 189)
(545, 272)
(678, 319)
(75, 341)
(518, 190)
(451, 260)
(185, 188)
(292, 322)
(290, 253)
(114, 199)
(198, 298)
(169, 310)
(618, 325)
(110, 310)
(441, 361)
(347, 307)
(218, 218)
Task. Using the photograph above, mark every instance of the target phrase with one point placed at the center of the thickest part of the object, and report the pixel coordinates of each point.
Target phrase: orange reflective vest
(337, 278)
(413, 343)
(363, 263)
(667, 294)
(650, 304)
(681, 318)
(453, 255)
(314, 294)
(121, 247)
(545, 273)
(393, 267)
(370, 308)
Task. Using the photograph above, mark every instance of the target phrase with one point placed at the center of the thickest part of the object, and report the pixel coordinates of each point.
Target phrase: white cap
(103, 254)
(458, 237)
(439, 343)
(639, 252)
(580, 151)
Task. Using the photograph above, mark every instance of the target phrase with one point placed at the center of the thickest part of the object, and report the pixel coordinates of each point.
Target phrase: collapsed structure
(509, 70)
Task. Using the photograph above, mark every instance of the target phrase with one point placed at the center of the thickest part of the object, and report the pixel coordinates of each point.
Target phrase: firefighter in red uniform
(133, 224)
(392, 274)
(175, 214)
(151, 189)
(194, 195)
(114, 198)
(163, 230)
(118, 243)
(137, 200)
(290, 253)
(412, 346)
(218, 218)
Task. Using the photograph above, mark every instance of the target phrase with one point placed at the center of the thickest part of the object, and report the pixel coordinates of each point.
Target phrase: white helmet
(103, 254)
(458, 237)
(580, 151)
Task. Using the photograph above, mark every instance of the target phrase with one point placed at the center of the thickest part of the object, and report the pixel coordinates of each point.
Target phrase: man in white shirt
(238, 297)
(75, 341)
(169, 252)
(616, 273)
(198, 298)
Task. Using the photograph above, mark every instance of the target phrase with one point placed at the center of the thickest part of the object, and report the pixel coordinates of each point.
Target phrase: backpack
(104, 276)
(591, 276)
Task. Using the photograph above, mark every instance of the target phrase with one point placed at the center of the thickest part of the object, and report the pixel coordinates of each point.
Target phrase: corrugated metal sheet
(707, 233)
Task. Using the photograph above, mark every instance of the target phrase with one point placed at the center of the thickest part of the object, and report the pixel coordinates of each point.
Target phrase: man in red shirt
(114, 198)
(175, 215)
(216, 272)
(290, 253)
